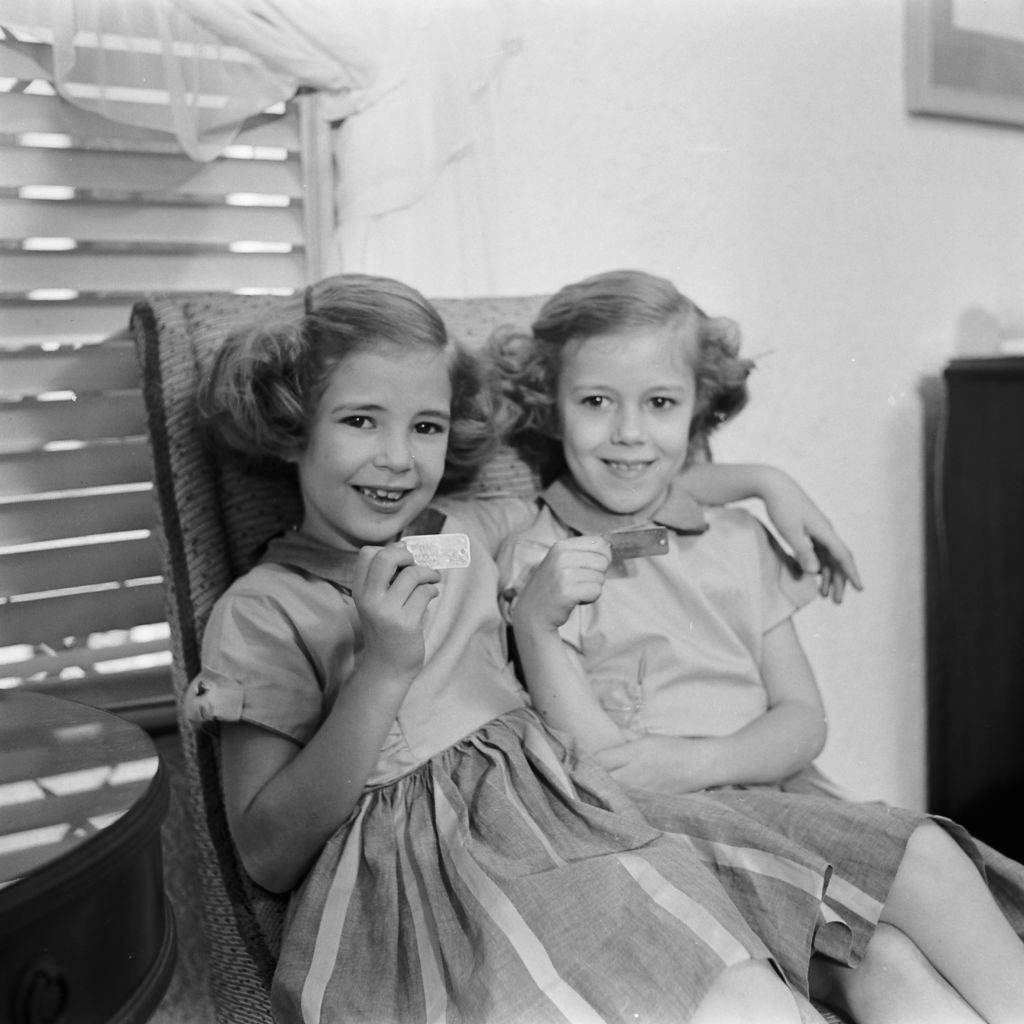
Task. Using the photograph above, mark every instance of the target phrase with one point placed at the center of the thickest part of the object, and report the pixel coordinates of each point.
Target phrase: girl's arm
(284, 801)
(802, 525)
(781, 742)
(571, 573)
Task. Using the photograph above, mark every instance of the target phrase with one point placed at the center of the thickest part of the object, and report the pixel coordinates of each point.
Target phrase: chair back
(214, 518)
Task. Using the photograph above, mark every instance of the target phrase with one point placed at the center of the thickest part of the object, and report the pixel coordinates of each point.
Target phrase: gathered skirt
(864, 844)
(506, 881)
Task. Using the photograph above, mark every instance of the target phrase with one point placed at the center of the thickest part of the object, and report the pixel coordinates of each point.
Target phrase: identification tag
(647, 540)
(439, 550)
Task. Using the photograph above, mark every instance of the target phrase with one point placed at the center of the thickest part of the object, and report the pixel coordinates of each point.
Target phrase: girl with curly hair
(658, 635)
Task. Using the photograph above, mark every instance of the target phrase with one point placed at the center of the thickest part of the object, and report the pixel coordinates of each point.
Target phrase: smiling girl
(680, 669)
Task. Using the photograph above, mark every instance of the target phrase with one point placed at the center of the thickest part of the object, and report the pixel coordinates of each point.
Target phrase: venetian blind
(92, 216)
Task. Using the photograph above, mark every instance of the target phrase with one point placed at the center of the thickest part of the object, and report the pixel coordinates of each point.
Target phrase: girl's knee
(891, 957)
(749, 991)
(931, 848)
(891, 961)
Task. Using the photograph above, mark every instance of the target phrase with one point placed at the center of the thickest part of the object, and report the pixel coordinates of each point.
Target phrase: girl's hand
(813, 539)
(659, 764)
(571, 573)
(391, 594)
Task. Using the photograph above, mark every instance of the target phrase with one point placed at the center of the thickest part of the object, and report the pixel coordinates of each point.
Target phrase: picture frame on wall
(965, 59)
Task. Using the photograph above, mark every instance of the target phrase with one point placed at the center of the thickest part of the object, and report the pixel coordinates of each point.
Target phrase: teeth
(381, 494)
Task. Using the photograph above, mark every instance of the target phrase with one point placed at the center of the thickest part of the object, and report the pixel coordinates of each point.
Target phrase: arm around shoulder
(800, 522)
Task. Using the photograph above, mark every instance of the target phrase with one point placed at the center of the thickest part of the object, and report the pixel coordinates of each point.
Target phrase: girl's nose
(627, 428)
(394, 453)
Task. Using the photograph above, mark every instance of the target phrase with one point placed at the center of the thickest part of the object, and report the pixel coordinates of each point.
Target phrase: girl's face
(376, 445)
(625, 400)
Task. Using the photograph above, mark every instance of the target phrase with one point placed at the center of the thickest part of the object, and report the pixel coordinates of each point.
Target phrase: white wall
(758, 152)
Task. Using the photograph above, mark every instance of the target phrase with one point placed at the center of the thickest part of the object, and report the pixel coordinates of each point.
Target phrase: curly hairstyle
(524, 366)
(268, 377)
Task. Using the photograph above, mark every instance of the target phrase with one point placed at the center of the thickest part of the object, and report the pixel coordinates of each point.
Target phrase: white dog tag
(439, 550)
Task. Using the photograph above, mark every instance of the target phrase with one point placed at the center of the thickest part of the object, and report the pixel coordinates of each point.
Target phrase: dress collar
(336, 565)
(679, 511)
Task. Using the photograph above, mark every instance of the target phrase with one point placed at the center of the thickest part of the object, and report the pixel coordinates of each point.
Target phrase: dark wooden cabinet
(976, 602)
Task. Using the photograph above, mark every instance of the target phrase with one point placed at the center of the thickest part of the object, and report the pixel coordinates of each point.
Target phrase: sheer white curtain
(411, 81)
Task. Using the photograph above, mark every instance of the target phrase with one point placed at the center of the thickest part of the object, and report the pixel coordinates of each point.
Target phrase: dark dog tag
(647, 540)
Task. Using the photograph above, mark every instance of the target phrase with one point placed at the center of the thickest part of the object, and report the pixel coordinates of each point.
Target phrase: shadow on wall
(979, 333)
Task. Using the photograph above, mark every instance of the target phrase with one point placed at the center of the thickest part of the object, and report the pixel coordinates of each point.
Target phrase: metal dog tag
(646, 540)
(439, 550)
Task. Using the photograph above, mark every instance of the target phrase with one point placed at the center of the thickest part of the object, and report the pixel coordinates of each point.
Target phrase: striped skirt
(864, 842)
(505, 882)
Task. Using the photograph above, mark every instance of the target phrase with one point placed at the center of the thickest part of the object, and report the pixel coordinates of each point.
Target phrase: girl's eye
(358, 422)
(428, 427)
(594, 401)
(662, 402)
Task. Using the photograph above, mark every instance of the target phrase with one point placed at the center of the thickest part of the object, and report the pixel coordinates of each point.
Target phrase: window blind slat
(131, 67)
(59, 568)
(96, 465)
(23, 322)
(51, 662)
(49, 620)
(79, 516)
(25, 425)
(155, 175)
(24, 112)
(141, 271)
(25, 62)
(139, 225)
(110, 366)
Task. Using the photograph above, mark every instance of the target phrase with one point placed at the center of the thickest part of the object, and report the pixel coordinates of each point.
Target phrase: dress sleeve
(255, 669)
(517, 558)
(784, 587)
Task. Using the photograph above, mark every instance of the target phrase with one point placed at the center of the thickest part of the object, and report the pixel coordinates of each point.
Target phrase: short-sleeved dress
(485, 875)
(673, 647)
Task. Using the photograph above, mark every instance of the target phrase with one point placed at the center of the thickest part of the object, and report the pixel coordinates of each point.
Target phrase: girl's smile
(627, 469)
(376, 445)
(625, 400)
(382, 498)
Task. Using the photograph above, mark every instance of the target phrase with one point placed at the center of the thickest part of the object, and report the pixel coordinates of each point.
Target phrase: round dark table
(86, 933)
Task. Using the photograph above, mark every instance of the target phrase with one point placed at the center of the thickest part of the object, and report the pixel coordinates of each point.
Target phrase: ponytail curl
(721, 377)
(474, 435)
(251, 403)
(522, 373)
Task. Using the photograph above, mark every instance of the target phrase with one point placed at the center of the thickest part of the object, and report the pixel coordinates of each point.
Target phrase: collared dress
(673, 646)
(485, 874)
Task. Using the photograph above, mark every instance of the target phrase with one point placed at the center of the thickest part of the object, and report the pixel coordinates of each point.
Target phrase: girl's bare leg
(750, 992)
(941, 902)
(895, 983)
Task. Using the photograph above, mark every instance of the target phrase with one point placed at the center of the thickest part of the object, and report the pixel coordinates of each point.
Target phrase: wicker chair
(214, 517)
